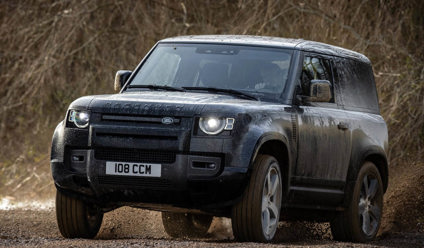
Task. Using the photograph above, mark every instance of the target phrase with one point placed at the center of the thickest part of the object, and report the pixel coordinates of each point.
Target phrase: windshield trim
(233, 92)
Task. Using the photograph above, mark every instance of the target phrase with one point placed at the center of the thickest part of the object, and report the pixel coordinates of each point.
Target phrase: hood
(166, 103)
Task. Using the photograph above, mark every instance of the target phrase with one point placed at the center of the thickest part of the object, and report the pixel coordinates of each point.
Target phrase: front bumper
(186, 180)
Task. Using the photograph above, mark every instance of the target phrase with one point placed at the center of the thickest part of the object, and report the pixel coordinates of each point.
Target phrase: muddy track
(140, 228)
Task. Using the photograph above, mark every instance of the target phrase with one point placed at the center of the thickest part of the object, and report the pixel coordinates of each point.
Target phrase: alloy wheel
(368, 207)
(271, 201)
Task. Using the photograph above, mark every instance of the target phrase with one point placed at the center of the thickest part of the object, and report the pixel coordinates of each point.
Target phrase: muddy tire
(255, 218)
(361, 221)
(184, 225)
(77, 219)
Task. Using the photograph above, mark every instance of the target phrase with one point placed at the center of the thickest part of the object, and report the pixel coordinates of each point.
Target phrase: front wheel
(361, 221)
(255, 218)
(185, 225)
(76, 218)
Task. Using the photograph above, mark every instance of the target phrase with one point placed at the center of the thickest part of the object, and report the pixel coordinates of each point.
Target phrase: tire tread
(71, 218)
(244, 223)
(343, 227)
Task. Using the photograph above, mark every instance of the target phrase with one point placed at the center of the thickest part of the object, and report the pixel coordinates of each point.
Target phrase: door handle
(343, 126)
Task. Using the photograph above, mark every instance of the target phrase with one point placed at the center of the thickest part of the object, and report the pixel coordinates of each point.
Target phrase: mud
(34, 225)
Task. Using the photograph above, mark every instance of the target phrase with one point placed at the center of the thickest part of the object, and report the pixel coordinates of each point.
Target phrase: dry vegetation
(52, 52)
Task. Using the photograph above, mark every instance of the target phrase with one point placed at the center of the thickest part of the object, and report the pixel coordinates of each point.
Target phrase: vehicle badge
(167, 120)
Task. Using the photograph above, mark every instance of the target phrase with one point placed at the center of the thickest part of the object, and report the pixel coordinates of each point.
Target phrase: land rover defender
(257, 129)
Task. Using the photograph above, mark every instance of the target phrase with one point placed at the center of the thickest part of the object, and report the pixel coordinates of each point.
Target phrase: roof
(300, 44)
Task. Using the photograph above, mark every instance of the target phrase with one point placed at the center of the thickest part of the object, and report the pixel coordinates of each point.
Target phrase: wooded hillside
(52, 52)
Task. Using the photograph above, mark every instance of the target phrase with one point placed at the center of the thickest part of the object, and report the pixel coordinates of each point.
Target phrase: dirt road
(36, 226)
(29, 224)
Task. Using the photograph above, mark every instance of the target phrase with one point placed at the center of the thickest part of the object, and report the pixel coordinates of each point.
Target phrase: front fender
(271, 136)
(277, 128)
(57, 147)
(65, 137)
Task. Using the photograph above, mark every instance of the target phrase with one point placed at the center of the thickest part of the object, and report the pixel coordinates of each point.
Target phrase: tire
(184, 225)
(76, 218)
(361, 221)
(255, 218)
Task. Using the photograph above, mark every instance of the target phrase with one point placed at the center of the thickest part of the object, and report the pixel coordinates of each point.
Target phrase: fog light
(77, 158)
(211, 166)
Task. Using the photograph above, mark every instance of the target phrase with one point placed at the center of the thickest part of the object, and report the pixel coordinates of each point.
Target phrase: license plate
(133, 169)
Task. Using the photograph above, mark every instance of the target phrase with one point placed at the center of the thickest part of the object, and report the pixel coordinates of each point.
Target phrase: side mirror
(121, 78)
(320, 91)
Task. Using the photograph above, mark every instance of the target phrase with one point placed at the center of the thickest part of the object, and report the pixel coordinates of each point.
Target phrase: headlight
(81, 119)
(214, 125)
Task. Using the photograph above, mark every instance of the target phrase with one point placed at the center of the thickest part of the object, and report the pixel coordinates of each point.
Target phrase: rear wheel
(255, 218)
(361, 221)
(76, 218)
(184, 225)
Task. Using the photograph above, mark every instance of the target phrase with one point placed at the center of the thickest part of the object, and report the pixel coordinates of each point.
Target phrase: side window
(315, 68)
(357, 86)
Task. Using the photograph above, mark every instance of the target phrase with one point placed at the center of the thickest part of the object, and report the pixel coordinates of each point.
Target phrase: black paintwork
(320, 146)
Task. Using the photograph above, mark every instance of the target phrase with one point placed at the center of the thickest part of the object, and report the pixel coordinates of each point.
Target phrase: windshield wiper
(229, 91)
(156, 87)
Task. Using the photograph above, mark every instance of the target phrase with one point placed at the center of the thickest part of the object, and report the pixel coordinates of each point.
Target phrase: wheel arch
(382, 165)
(276, 145)
(373, 154)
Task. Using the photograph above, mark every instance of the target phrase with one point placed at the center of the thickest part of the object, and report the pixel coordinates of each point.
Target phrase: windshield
(257, 71)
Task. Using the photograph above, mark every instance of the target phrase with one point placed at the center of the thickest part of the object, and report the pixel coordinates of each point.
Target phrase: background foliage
(52, 52)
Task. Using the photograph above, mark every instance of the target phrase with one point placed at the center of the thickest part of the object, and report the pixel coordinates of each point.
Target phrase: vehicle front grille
(142, 119)
(138, 182)
(134, 155)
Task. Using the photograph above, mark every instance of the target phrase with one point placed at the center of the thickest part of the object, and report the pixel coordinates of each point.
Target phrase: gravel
(35, 226)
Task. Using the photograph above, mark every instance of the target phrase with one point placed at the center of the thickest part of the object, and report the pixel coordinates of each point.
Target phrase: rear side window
(357, 85)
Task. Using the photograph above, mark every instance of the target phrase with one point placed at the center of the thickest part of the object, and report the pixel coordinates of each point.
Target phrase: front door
(323, 150)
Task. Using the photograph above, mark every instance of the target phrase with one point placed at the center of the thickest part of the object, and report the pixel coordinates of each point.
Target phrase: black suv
(258, 129)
